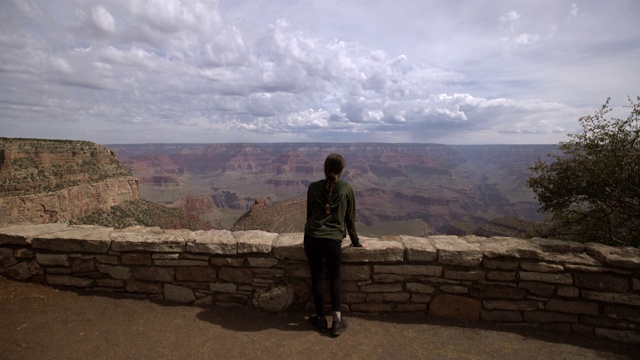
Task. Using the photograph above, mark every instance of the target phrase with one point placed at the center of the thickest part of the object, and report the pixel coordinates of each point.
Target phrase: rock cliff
(58, 180)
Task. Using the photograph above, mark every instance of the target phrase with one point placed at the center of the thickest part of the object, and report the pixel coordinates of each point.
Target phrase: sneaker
(319, 323)
(338, 328)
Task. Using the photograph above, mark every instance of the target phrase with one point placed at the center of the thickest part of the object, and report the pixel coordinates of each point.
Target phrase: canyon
(436, 188)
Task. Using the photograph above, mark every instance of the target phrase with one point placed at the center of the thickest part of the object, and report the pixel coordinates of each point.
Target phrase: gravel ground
(41, 322)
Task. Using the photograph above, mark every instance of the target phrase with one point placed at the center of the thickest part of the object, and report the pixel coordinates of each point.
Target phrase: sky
(410, 71)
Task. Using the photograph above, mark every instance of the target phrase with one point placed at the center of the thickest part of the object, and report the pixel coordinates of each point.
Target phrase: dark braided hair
(333, 166)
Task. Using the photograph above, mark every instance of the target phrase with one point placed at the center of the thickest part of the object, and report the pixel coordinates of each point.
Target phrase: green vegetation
(144, 213)
(591, 191)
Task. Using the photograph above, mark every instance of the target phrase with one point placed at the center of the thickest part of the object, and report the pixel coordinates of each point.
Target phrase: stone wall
(68, 203)
(588, 289)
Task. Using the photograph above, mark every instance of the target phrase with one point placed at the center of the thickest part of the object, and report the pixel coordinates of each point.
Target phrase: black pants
(316, 249)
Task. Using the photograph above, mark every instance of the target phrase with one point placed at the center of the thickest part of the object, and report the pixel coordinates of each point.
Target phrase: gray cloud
(207, 71)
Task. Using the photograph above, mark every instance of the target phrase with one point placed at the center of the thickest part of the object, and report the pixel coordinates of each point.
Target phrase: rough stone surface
(212, 242)
(455, 307)
(116, 272)
(22, 234)
(541, 267)
(498, 247)
(196, 273)
(353, 272)
(153, 273)
(546, 277)
(79, 238)
(262, 262)
(419, 249)
(629, 299)
(602, 282)
(427, 270)
(289, 246)
(53, 259)
(178, 294)
(254, 241)
(145, 239)
(236, 275)
(277, 299)
(521, 305)
(68, 281)
(573, 307)
(376, 251)
(454, 251)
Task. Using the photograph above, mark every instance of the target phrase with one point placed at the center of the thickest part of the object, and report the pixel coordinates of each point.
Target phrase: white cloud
(198, 69)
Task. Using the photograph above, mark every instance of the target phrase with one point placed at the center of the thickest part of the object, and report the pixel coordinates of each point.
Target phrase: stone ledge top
(467, 251)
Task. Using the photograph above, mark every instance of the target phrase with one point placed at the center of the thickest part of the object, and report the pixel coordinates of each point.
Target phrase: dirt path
(40, 322)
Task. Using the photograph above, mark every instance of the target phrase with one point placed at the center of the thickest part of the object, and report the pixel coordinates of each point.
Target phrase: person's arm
(350, 220)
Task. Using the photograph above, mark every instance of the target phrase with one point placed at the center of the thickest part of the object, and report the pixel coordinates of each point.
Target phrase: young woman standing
(331, 214)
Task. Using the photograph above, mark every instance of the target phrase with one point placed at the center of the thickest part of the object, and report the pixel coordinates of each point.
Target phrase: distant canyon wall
(45, 181)
(559, 286)
(69, 203)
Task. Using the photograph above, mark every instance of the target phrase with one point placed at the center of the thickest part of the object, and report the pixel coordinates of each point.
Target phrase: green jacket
(340, 221)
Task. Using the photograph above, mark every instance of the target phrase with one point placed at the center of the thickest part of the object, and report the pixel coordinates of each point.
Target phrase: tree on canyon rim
(591, 189)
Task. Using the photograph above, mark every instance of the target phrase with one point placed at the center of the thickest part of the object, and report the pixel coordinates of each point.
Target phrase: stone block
(376, 251)
(110, 283)
(415, 287)
(500, 264)
(622, 312)
(212, 242)
(506, 276)
(19, 271)
(572, 307)
(419, 249)
(107, 259)
(381, 288)
(455, 307)
(76, 239)
(223, 287)
(289, 246)
(301, 270)
(454, 289)
(178, 294)
(568, 291)
(254, 241)
(553, 278)
(635, 284)
(136, 259)
(454, 251)
(616, 298)
(23, 234)
(471, 275)
(501, 316)
(388, 278)
(410, 308)
(154, 273)
(507, 247)
(23, 254)
(624, 257)
(420, 298)
(355, 272)
(196, 273)
(549, 317)
(236, 275)
(277, 299)
(143, 287)
(520, 305)
(237, 262)
(372, 308)
(602, 282)
(116, 272)
(262, 262)
(82, 266)
(53, 259)
(388, 297)
(146, 239)
(422, 270)
(538, 289)
(7, 258)
(486, 291)
(68, 281)
(180, 262)
(353, 297)
(558, 246)
(569, 259)
(541, 267)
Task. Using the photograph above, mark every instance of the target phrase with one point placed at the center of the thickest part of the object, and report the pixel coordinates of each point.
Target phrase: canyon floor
(40, 322)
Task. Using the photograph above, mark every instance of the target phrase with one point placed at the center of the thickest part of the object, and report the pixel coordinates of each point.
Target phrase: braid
(333, 166)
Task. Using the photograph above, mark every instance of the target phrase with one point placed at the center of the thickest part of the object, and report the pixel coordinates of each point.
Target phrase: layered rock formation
(57, 180)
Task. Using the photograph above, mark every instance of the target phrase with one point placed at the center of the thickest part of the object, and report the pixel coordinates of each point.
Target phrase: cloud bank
(126, 71)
